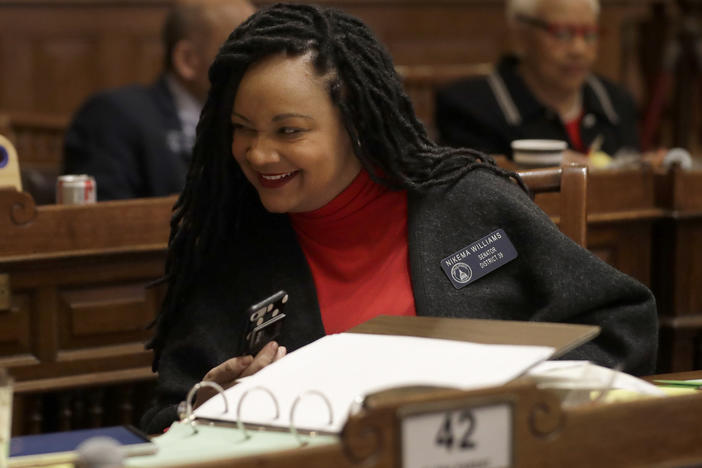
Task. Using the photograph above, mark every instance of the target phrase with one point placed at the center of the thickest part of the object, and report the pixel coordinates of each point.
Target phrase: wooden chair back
(571, 181)
(37, 137)
(9, 166)
(39, 142)
(422, 81)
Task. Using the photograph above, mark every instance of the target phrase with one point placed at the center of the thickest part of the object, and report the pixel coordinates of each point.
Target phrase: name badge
(478, 259)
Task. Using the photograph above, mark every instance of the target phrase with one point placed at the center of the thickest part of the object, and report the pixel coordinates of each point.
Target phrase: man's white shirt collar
(188, 108)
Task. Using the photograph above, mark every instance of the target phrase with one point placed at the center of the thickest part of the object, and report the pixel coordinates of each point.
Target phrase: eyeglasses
(564, 33)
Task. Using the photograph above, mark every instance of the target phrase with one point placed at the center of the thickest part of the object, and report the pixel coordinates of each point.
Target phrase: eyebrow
(234, 114)
(290, 115)
(278, 117)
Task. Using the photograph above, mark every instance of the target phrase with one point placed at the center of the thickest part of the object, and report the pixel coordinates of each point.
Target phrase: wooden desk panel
(621, 214)
(74, 321)
(53, 325)
(677, 260)
(624, 245)
(79, 307)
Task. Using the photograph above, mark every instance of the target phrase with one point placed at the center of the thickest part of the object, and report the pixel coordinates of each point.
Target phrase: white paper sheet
(584, 375)
(346, 366)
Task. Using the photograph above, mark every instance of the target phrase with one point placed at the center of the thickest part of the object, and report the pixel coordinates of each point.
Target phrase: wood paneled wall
(54, 53)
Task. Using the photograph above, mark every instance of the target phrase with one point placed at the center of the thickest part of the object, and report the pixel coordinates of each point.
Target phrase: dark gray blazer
(552, 279)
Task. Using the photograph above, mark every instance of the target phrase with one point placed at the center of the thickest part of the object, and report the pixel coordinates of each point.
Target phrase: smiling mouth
(276, 180)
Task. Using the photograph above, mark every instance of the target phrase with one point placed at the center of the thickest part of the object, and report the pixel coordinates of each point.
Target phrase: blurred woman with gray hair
(544, 89)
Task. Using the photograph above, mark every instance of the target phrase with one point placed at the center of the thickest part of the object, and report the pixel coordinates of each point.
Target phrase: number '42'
(450, 430)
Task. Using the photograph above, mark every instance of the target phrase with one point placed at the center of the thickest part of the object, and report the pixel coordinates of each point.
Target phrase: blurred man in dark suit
(136, 140)
(544, 90)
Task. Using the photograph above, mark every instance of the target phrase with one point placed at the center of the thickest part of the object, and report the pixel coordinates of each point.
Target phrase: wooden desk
(654, 432)
(76, 308)
(677, 260)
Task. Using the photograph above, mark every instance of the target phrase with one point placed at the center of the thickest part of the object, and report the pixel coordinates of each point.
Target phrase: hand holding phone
(265, 323)
(237, 367)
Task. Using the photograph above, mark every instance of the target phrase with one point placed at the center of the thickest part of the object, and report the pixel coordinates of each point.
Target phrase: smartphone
(265, 323)
(60, 447)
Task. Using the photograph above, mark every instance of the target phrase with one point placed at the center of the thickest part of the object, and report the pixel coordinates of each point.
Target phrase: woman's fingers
(224, 374)
(282, 351)
(264, 357)
(230, 370)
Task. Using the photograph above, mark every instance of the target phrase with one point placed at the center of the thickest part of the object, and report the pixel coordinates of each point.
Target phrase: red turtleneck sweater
(573, 129)
(356, 246)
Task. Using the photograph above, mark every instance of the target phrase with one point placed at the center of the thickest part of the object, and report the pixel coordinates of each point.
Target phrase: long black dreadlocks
(390, 142)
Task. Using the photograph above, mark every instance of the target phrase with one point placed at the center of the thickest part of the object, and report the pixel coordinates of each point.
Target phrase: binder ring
(293, 429)
(609, 385)
(240, 424)
(189, 418)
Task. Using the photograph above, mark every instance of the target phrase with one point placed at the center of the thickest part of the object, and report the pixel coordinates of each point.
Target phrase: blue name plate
(478, 259)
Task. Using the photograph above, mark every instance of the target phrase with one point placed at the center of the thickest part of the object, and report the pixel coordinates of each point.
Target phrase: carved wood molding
(364, 437)
(94, 379)
(546, 417)
(106, 227)
(16, 208)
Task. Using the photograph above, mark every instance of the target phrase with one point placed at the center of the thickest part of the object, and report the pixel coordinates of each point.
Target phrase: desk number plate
(471, 437)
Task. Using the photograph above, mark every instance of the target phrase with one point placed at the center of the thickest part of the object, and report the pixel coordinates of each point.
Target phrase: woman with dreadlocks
(312, 174)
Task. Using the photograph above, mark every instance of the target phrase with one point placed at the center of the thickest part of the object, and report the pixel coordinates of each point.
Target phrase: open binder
(315, 388)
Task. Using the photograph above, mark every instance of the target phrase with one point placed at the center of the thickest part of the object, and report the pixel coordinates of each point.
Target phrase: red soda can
(75, 189)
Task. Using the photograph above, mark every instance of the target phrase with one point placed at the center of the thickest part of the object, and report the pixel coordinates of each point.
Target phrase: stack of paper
(581, 382)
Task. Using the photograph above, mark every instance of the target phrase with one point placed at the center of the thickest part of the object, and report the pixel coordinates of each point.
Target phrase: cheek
(592, 54)
(542, 56)
(552, 61)
(238, 150)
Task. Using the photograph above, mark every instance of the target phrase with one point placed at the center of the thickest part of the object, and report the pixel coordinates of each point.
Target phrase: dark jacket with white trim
(551, 280)
(488, 113)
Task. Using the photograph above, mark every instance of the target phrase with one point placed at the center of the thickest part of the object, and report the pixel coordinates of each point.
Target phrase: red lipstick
(275, 180)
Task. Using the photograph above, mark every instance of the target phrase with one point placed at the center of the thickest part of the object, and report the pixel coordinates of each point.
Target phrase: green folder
(695, 383)
(181, 446)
